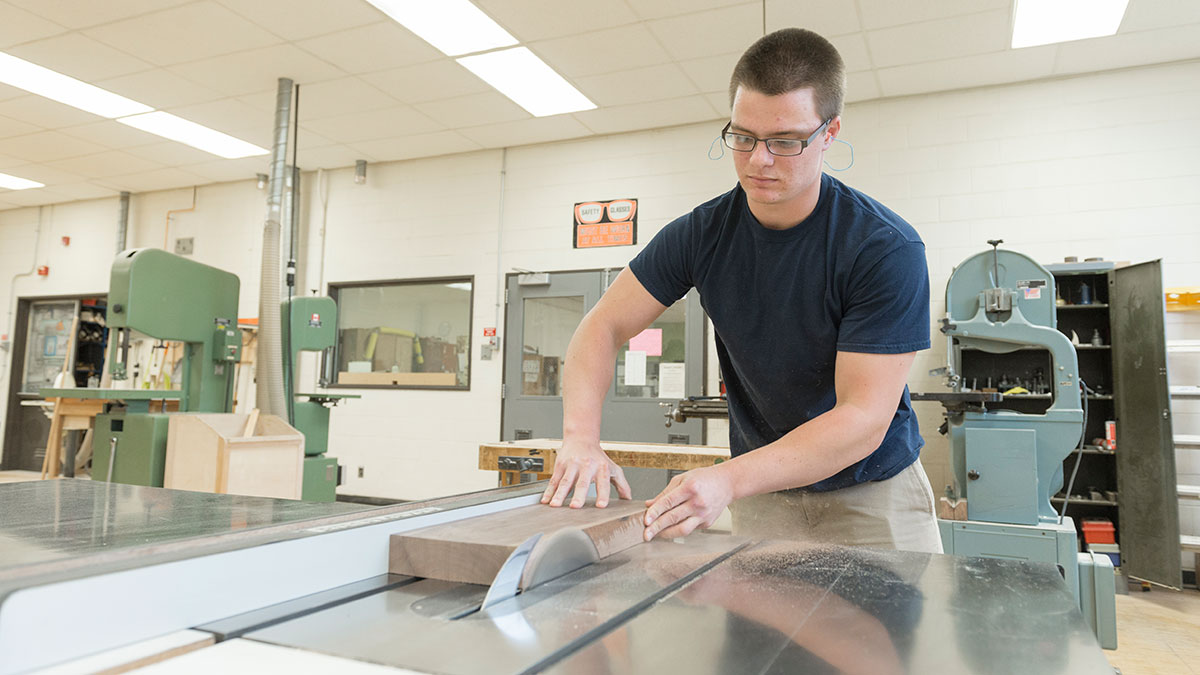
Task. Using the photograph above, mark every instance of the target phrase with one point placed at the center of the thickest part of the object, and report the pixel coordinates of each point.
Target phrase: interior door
(663, 364)
(1149, 507)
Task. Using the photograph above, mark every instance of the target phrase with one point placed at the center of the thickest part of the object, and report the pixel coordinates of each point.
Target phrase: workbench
(536, 457)
(305, 586)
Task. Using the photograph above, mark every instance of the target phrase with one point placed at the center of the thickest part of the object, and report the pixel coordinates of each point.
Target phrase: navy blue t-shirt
(851, 277)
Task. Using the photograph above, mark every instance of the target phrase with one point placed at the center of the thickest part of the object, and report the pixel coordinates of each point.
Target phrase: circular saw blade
(557, 554)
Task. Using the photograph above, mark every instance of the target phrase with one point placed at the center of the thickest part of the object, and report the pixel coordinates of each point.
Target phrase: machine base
(320, 479)
(141, 449)
(1090, 577)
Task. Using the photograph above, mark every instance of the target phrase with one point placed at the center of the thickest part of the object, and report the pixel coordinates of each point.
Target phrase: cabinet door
(1149, 507)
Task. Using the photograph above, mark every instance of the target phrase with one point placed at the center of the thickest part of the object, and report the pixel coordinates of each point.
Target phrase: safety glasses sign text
(610, 223)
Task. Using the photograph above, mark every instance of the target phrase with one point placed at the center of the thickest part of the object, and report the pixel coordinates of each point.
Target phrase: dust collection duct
(269, 358)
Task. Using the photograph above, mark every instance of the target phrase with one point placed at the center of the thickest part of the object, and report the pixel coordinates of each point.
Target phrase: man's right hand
(579, 464)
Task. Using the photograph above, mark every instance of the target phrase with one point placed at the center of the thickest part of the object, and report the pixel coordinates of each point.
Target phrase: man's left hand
(691, 500)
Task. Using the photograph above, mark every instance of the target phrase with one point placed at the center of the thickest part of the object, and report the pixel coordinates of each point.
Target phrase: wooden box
(208, 452)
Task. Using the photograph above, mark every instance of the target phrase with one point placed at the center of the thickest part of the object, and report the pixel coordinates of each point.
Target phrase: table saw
(92, 571)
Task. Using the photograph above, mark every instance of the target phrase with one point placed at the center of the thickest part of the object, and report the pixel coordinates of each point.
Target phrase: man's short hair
(791, 59)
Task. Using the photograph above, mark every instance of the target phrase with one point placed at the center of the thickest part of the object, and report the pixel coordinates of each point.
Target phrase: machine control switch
(227, 344)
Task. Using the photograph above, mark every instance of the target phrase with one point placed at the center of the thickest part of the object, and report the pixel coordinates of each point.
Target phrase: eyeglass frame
(804, 142)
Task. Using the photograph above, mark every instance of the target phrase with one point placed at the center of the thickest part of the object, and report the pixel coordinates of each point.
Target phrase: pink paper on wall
(649, 341)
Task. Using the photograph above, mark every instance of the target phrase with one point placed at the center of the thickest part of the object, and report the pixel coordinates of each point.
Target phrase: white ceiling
(372, 90)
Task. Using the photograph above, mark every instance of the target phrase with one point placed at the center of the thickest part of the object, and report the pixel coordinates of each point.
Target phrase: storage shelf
(1093, 450)
(1084, 500)
(1086, 347)
(1187, 440)
(1185, 391)
(1094, 305)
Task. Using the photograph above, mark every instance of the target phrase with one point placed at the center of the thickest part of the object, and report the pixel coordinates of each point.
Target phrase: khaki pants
(897, 513)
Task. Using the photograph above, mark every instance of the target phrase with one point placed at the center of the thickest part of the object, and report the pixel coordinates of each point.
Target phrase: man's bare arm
(625, 310)
(868, 387)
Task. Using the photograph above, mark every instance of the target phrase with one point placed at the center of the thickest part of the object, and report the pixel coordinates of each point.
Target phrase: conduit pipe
(269, 359)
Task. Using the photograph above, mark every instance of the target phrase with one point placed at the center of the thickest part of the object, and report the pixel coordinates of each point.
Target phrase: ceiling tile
(46, 174)
(719, 31)
(649, 115)
(18, 26)
(637, 86)
(7, 162)
(887, 13)
(1148, 14)
(10, 127)
(83, 13)
(7, 92)
(80, 57)
(111, 134)
(654, 9)
(158, 88)
(257, 70)
(984, 69)
(473, 110)
(159, 179)
(46, 146)
(827, 17)
(34, 197)
(107, 163)
(180, 34)
(941, 39)
(427, 81)
(421, 145)
(371, 48)
(853, 49)
(45, 113)
(1129, 49)
(332, 157)
(720, 102)
(524, 132)
(861, 86)
(711, 73)
(225, 170)
(340, 97)
(529, 20)
(299, 19)
(365, 126)
(84, 191)
(602, 51)
(169, 153)
(233, 117)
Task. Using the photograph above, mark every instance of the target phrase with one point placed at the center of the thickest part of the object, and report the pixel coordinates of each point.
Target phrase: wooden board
(473, 550)
(638, 455)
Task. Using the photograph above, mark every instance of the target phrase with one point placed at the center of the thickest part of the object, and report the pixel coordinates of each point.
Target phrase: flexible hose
(269, 360)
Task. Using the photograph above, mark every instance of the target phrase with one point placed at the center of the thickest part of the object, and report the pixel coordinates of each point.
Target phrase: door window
(549, 325)
(651, 365)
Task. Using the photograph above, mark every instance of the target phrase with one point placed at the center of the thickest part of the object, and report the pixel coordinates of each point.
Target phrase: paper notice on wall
(670, 380)
(635, 368)
(649, 341)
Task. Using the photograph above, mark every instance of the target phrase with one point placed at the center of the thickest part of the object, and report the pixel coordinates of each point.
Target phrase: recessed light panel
(1043, 22)
(53, 85)
(15, 183)
(196, 135)
(453, 26)
(520, 75)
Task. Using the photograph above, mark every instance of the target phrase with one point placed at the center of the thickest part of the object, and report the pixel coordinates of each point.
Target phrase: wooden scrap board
(638, 455)
(473, 550)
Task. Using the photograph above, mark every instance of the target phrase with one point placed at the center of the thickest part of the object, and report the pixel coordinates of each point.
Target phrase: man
(819, 297)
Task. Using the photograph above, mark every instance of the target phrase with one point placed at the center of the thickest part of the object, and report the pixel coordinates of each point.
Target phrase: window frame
(330, 356)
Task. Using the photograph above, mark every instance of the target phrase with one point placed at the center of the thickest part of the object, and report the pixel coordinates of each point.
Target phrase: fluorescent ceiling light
(14, 183)
(35, 79)
(528, 81)
(195, 135)
(453, 26)
(1043, 22)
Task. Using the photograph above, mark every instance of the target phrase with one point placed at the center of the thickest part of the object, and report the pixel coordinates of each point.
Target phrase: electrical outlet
(183, 245)
(360, 472)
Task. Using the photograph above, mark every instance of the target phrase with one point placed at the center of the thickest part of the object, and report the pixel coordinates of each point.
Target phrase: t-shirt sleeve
(887, 308)
(664, 267)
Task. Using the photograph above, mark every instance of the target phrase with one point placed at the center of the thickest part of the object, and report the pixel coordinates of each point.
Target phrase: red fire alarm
(43, 270)
(66, 241)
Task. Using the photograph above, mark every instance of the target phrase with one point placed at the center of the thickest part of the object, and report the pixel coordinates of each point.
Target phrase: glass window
(404, 333)
(548, 326)
(651, 365)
